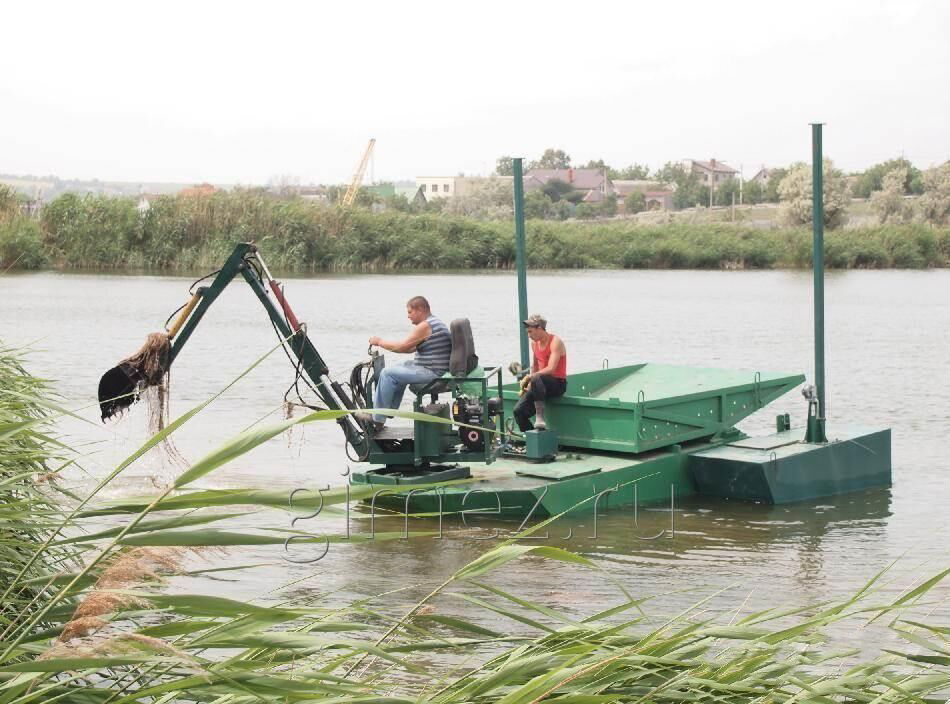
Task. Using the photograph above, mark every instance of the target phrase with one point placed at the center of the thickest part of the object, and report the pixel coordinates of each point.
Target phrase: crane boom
(354, 188)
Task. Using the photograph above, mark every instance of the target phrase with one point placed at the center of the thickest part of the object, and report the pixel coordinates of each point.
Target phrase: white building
(436, 186)
(452, 186)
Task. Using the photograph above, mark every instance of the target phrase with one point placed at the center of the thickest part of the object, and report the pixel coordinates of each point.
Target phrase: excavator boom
(246, 262)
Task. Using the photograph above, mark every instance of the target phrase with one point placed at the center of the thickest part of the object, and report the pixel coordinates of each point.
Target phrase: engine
(469, 411)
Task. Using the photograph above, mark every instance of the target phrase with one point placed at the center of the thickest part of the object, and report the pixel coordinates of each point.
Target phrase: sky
(257, 92)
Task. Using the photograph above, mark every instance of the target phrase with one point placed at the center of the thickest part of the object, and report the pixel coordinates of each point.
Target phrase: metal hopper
(649, 406)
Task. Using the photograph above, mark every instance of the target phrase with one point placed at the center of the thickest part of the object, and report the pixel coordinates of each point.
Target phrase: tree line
(885, 184)
(198, 232)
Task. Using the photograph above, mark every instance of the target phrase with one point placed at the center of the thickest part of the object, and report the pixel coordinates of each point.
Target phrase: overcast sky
(243, 92)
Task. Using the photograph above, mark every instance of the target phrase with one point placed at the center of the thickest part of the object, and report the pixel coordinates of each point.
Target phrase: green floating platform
(781, 468)
(645, 407)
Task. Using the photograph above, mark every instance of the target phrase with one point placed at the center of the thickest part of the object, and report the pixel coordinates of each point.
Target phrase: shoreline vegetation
(183, 233)
(86, 616)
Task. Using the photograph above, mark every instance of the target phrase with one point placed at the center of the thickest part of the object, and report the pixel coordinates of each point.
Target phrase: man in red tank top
(548, 377)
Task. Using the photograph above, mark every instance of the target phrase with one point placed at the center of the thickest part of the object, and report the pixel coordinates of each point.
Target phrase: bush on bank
(178, 233)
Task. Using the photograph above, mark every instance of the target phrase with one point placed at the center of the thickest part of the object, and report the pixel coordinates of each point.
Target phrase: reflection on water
(885, 365)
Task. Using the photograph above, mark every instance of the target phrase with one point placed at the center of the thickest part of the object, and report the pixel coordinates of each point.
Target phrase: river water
(887, 336)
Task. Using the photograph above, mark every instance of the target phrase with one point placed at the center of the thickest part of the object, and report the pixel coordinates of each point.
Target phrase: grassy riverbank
(85, 617)
(183, 233)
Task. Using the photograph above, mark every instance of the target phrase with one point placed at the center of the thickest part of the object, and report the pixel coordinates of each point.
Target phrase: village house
(711, 173)
(762, 176)
(594, 183)
(656, 195)
(451, 186)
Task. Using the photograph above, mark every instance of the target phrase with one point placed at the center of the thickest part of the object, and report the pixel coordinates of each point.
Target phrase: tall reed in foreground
(85, 618)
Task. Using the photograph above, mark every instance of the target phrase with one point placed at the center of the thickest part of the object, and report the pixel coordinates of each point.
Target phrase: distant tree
(9, 203)
(689, 191)
(751, 193)
(490, 199)
(671, 173)
(935, 201)
(399, 203)
(873, 179)
(771, 187)
(556, 190)
(634, 172)
(562, 210)
(888, 203)
(586, 211)
(335, 193)
(726, 190)
(436, 205)
(795, 194)
(284, 185)
(700, 194)
(552, 159)
(636, 202)
(366, 198)
(537, 206)
(504, 166)
(609, 207)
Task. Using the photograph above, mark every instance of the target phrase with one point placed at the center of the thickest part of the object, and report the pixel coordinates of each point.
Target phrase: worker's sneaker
(540, 425)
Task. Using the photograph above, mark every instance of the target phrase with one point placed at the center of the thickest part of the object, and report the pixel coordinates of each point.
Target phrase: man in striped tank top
(432, 344)
(548, 377)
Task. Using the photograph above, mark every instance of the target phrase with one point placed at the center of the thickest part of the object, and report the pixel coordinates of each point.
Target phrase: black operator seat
(461, 361)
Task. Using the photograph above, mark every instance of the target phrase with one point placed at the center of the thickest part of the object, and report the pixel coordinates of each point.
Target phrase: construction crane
(354, 188)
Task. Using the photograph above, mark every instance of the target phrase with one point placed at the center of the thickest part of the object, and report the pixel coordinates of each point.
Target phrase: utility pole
(741, 180)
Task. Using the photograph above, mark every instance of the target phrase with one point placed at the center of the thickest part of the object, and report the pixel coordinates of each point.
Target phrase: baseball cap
(535, 321)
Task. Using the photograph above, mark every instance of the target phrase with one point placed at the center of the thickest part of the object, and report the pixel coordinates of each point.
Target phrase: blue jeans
(393, 382)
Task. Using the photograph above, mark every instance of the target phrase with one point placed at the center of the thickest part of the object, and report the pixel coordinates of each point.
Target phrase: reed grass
(85, 617)
(190, 233)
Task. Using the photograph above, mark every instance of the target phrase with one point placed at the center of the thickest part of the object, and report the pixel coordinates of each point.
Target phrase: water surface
(888, 333)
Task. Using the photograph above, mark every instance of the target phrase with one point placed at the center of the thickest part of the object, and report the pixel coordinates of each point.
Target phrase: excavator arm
(247, 262)
(420, 448)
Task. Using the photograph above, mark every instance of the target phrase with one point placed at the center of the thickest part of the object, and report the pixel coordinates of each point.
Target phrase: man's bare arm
(419, 333)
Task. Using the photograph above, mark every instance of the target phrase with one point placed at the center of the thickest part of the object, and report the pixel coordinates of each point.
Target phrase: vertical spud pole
(520, 262)
(818, 256)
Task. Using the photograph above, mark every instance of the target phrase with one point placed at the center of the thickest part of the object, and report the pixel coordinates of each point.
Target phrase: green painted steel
(403, 476)
(504, 490)
(540, 444)
(245, 260)
(789, 470)
(645, 407)
(520, 261)
(816, 427)
(426, 442)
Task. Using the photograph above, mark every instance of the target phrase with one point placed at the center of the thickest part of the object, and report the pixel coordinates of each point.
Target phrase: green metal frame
(479, 378)
(592, 416)
(311, 363)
